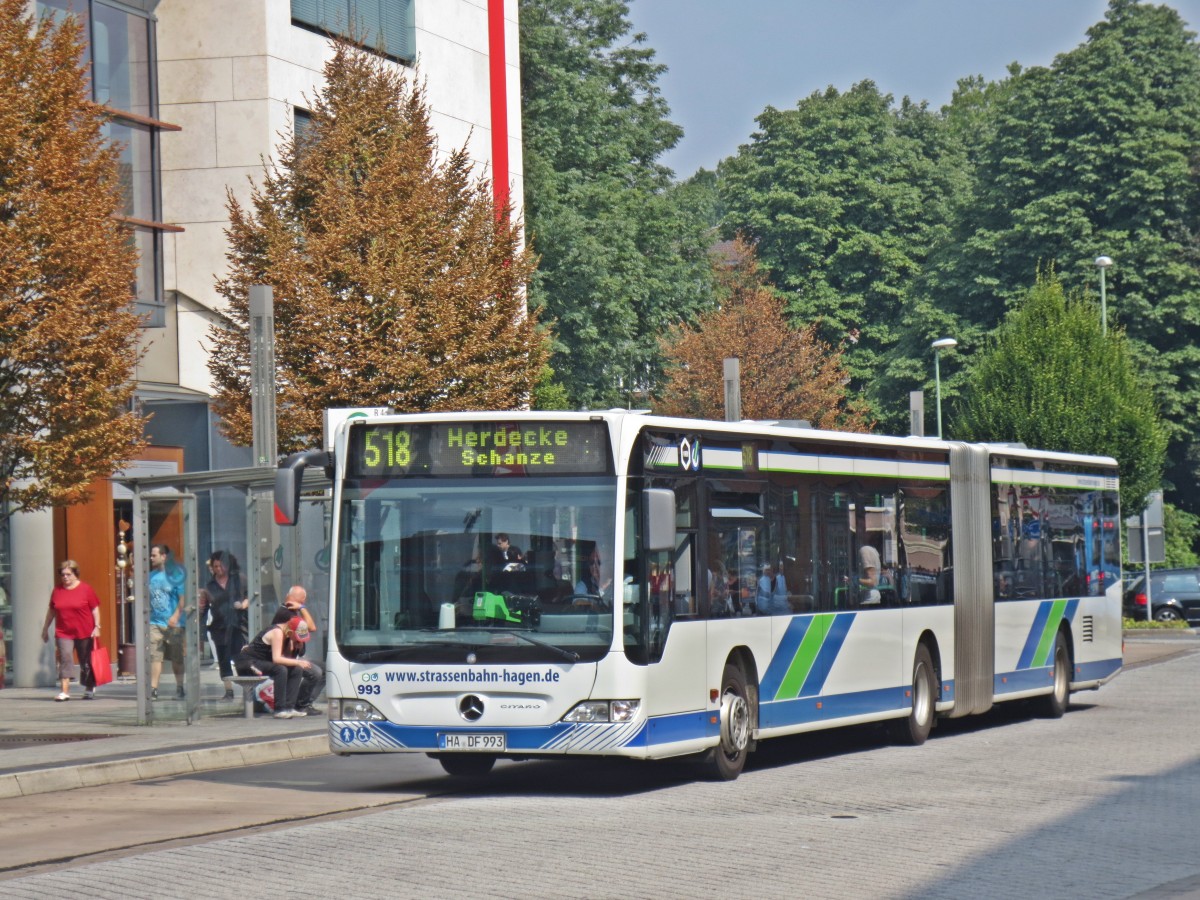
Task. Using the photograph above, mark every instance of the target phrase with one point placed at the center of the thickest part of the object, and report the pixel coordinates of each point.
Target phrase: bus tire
(726, 760)
(466, 765)
(915, 727)
(1054, 704)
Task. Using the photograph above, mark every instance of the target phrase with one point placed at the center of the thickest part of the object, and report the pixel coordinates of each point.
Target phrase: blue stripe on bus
(1035, 634)
(1022, 680)
(559, 737)
(838, 630)
(782, 660)
(807, 710)
(1069, 613)
(1038, 632)
(679, 727)
(1101, 668)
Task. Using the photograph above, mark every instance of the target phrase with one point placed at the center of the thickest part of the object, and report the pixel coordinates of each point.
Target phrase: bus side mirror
(288, 479)
(659, 507)
(287, 495)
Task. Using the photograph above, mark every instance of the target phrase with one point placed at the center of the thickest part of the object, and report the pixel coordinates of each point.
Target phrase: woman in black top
(229, 607)
(267, 654)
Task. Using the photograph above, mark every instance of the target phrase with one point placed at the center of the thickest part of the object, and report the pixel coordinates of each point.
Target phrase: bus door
(673, 624)
(833, 584)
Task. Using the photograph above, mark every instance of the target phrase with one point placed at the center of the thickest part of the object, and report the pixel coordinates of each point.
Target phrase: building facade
(201, 95)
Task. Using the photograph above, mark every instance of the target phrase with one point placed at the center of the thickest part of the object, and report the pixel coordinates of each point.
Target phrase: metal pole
(916, 413)
(1146, 561)
(938, 346)
(262, 374)
(1103, 306)
(937, 378)
(1102, 263)
(733, 389)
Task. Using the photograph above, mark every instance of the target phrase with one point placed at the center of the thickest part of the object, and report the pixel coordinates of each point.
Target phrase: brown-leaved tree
(68, 335)
(395, 281)
(787, 373)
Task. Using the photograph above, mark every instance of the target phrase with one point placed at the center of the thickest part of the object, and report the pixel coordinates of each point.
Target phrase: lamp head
(1103, 262)
(944, 344)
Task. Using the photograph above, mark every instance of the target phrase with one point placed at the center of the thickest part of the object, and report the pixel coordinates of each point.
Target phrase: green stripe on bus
(1045, 645)
(802, 662)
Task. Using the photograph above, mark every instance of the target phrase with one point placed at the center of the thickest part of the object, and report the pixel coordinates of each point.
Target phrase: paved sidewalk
(50, 746)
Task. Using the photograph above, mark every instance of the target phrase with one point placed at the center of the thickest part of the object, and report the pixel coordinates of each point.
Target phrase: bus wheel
(727, 759)
(1054, 704)
(466, 765)
(915, 728)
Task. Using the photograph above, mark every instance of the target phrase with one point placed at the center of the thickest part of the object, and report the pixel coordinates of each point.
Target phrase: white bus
(525, 585)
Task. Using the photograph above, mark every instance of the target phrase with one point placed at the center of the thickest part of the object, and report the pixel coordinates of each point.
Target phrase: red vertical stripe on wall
(499, 92)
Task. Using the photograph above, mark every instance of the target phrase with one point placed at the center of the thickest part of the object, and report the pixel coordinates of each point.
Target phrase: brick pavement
(999, 807)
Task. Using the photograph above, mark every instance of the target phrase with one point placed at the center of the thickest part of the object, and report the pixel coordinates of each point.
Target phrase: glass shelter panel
(167, 601)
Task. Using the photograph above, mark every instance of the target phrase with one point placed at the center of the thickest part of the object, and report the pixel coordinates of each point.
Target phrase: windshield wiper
(568, 655)
(399, 654)
(395, 654)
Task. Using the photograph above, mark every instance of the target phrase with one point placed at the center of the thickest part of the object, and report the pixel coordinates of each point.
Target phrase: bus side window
(681, 575)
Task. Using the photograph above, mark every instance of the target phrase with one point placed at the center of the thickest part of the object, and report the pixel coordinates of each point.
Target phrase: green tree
(1181, 533)
(1051, 379)
(786, 373)
(621, 256)
(1094, 155)
(395, 281)
(844, 196)
(68, 335)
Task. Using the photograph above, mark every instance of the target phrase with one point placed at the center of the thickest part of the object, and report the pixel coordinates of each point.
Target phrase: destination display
(477, 449)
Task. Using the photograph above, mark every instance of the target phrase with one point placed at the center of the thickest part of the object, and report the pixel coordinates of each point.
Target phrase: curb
(162, 765)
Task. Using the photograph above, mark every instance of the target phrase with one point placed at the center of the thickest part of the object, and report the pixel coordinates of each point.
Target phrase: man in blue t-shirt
(166, 620)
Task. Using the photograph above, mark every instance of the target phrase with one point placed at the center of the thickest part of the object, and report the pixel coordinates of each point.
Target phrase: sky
(727, 60)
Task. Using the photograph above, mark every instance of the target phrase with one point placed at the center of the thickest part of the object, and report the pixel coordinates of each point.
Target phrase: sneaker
(287, 714)
(89, 695)
(153, 693)
(179, 695)
(312, 710)
(229, 694)
(61, 697)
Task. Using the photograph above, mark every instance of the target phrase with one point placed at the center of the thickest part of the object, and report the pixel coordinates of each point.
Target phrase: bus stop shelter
(165, 511)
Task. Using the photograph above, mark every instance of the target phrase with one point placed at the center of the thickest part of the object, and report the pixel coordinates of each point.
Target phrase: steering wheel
(588, 601)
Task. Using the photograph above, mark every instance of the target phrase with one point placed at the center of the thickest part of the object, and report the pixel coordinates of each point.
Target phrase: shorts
(166, 643)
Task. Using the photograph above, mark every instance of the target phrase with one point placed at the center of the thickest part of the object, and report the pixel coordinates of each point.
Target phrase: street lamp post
(938, 347)
(1102, 263)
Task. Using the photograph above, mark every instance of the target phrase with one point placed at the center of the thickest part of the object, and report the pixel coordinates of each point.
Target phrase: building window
(120, 56)
(382, 25)
(301, 124)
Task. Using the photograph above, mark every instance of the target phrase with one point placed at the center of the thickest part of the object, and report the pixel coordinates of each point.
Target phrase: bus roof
(622, 419)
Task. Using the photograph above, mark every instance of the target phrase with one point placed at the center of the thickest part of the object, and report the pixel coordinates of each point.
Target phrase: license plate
(493, 743)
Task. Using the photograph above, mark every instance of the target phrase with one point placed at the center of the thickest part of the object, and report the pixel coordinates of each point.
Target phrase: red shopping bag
(101, 666)
(264, 696)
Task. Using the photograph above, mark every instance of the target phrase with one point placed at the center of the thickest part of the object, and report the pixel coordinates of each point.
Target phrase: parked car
(1175, 593)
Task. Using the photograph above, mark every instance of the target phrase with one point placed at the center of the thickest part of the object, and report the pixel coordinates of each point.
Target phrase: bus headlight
(624, 710)
(604, 711)
(355, 711)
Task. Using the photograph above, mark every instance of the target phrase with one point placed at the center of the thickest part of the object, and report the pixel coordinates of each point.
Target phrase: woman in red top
(76, 609)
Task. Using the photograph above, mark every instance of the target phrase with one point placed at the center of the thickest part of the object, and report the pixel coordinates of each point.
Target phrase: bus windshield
(475, 570)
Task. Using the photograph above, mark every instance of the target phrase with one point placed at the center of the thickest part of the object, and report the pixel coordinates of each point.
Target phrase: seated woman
(268, 654)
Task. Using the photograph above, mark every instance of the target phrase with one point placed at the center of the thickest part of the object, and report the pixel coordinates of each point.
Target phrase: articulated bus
(520, 585)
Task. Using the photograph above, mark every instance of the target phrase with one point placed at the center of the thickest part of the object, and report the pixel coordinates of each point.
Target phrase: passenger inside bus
(868, 581)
